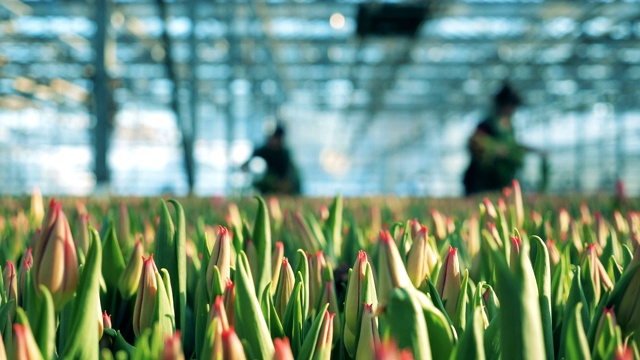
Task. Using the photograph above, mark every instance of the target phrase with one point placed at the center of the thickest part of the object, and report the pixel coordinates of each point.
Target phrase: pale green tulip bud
(220, 257)
(276, 259)
(369, 339)
(285, 288)
(421, 259)
(325, 338)
(146, 297)
(361, 290)
(439, 224)
(391, 272)
(449, 282)
(55, 259)
(130, 278)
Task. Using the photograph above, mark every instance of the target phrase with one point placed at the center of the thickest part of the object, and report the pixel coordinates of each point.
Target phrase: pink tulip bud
(24, 344)
(325, 338)
(491, 210)
(449, 281)
(55, 259)
(282, 349)
(146, 297)
(388, 350)
(11, 287)
(172, 347)
(231, 345)
(516, 243)
(106, 320)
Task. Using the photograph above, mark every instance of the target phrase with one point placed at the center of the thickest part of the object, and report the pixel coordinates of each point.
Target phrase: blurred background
(142, 97)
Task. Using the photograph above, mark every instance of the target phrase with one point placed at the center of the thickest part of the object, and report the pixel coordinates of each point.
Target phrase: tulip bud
(564, 221)
(274, 209)
(82, 234)
(329, 297)
(234, 215)
(130, 278)
(25, 270)
(11, 287)
(626, 297)
(516, 243)
(519, 203)
(219, 313)
(276, 260)
(449, 282)
(229, 301)
(285, 288)
(24, 344)
(360, 290)
(415, 227)
(283, 349)
(106, 320)
(325, 338)
(231, 345)
(585, 214)
(421, 259)
(391, 272)
(388, 350)
(55, 260)
(146, 297)
(619, 223)
(172, 347)
(36, 210)
(220, 256)
(369, 339)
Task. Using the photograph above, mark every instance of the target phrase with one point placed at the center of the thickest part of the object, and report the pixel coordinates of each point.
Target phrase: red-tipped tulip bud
(449, 281)
(172, 347)
(36, 210)
(219, 313)
(130, 278)
(415, 228)
(391, 272)
(82, 234)
(231, 345)
(491, 210)
(554, 254)
(220, 257)
(388, 350)
(325, 338)
(585, 214)
(421, 258)
(274, 209)
(24, 344)
(282, 349)
(516, 243)
(106, 320)
(25, 270)
(146, 298)
(285, 288)
(360, 290)
(11, 287)
(519, 203)
(276, 259)
(620, 223)
(55, 260)
(316, 278)
(229, 301)
(369, 339)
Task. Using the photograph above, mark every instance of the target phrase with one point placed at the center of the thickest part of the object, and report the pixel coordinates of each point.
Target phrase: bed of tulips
(291, 279)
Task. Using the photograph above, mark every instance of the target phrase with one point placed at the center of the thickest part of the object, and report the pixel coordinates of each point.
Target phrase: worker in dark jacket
(495, 155)
(281, 175)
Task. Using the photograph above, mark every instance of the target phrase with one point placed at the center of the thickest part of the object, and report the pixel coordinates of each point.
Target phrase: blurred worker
(495, 154)
(281, 175)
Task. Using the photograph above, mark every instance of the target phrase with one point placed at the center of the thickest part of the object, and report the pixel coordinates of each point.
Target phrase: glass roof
(364, 115)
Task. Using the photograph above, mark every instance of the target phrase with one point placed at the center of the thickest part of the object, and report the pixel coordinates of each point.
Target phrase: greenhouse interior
(320, 179)
(142, 97)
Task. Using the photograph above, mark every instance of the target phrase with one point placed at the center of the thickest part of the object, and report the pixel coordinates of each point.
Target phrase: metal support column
(103, 100)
